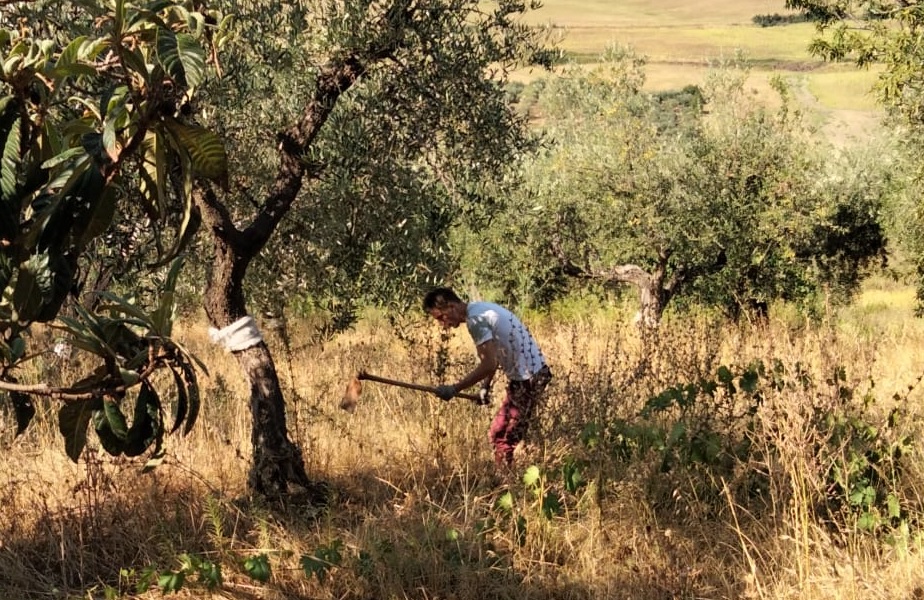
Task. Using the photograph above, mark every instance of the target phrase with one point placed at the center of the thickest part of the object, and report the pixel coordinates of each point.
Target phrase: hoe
(355, 388)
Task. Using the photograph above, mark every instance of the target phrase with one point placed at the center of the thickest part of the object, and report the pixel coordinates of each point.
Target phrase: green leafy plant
(865, 458)
(72, 139)
(547, 499)
(207, 573)
(323, 560)
(258, 567)
(701, 413)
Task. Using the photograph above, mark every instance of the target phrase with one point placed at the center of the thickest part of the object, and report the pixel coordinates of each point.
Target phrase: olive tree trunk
(656, 287)
(277, 461)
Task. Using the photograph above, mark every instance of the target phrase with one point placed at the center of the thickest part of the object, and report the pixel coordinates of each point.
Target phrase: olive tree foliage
(361, 130)
(86, 114)
(426, 138)
(886, 33)
(709, 195)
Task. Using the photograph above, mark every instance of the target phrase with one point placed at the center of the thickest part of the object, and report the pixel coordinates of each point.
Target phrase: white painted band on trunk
(237, 336)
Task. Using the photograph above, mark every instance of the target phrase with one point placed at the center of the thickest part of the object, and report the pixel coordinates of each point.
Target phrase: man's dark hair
(439, 297)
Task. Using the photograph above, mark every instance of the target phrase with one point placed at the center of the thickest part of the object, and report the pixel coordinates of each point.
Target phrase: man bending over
(502, 341)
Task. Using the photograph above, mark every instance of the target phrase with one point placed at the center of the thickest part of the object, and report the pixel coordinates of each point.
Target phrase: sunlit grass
(413, 484)
(845, 87)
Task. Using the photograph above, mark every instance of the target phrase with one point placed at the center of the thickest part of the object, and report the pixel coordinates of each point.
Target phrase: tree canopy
(705, 195)
(886, 33)
(90, 147)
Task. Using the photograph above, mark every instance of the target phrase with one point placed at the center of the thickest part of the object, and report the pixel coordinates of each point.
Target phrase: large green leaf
(182, 400)
(69, 61)
(192, 389)
(189, 224)
(110, 138)
(118, 304)
(111, 427)
(10, 159)
(134, 61)
(162, 317)
(9, 188)
(73, 420)
(93, 48)
(85, 211)
(33, 289)
(68, 57)
(143, 17)
(97, 217)
(70, 54)
(147, 425)
(146, 429)
(63, 269)
(153, 175)
(181, 56)
(115, 419)
(85, 332)
(206, 151)
(63, 157)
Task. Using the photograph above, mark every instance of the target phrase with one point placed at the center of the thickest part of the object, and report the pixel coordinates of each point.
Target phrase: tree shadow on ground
(371, 540)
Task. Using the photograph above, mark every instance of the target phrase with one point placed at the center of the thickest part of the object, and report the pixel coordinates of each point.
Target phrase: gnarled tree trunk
(276, 460)
(656, 288)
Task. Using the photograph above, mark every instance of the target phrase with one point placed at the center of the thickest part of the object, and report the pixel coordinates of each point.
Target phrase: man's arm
(487, 366)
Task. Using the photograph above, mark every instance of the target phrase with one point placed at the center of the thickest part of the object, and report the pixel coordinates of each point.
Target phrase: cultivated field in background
(682, 39)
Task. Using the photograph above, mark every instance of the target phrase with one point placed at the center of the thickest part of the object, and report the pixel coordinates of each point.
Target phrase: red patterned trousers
(515, 414)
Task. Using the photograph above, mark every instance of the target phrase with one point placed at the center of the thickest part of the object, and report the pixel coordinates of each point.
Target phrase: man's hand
(484, 396)
(445, 392)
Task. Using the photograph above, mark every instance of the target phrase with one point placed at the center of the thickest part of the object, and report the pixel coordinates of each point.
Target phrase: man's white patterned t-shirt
(517, 352)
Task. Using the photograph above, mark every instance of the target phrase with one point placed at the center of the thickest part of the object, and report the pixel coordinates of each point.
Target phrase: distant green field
(635, 13)
(681, 39)
(693, 44)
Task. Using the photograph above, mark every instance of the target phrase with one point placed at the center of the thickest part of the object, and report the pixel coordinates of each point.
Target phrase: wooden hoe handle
(411, 386)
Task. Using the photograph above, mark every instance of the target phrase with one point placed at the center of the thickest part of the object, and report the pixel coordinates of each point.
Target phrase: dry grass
(415, 500)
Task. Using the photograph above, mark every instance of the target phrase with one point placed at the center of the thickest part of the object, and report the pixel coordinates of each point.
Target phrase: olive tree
(400, 123)
(707, 194)
(885, 33)
(361, 129)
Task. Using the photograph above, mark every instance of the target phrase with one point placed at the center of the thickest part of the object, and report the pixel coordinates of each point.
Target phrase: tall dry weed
(696, 460)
